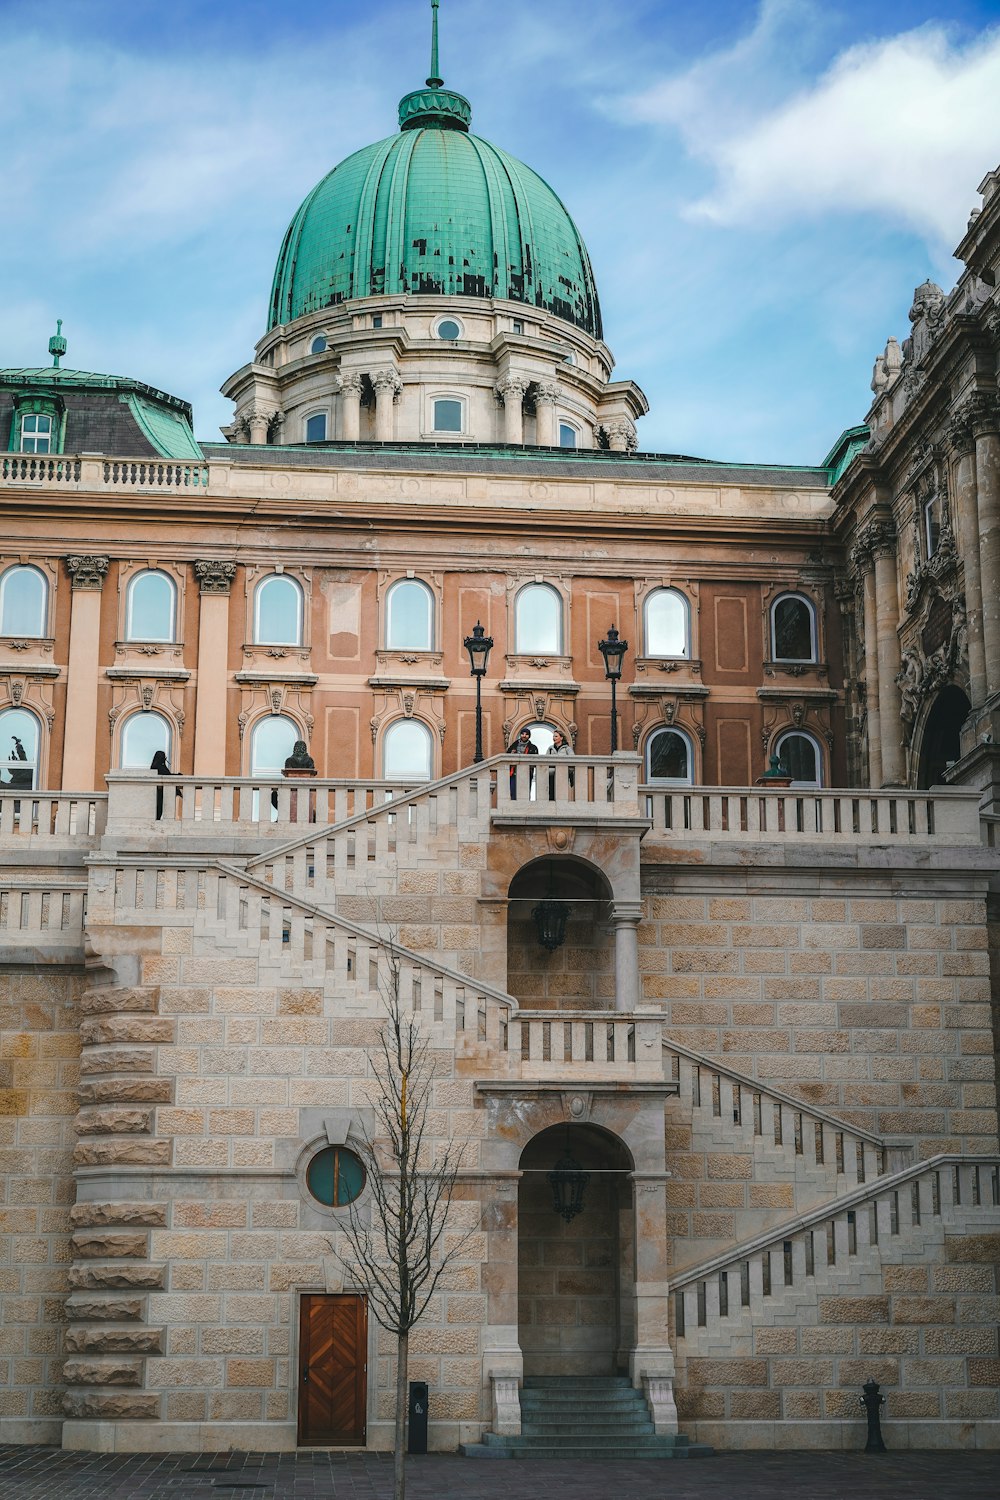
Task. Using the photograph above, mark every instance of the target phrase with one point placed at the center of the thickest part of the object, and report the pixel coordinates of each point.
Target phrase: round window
(335, 1176)
(318, 345)
(449, 329)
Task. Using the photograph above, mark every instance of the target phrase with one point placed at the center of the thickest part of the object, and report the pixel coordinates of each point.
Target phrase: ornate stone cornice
(87, 571)
(214, 577)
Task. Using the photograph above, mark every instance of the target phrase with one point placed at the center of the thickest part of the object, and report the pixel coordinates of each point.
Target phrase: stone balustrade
(75, 472)
(42, 919)
(885, 1216)
(583, 1045)
(859, 817)
(554, 789)
(51, 815)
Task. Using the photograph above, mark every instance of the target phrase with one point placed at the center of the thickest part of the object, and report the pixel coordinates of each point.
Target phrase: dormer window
(36, 433)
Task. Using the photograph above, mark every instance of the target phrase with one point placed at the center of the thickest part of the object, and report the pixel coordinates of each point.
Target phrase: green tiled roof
(168, 431)
(434, 210)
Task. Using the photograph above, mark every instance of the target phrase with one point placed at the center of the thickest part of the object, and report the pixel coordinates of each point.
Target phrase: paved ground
(50, 1474)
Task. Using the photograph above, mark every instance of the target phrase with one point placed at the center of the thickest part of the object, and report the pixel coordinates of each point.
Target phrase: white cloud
(903, 127)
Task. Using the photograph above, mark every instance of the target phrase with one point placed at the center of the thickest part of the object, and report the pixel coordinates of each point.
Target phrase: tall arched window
(151, 608)
(20, 741)
(670, 757)
(409, 611)
(143, 734)
(793, 628)
(407, 751)
(24, 596)
(538, 619)
(667, 620)
(801, 757)
(277, 612)
(271, 743)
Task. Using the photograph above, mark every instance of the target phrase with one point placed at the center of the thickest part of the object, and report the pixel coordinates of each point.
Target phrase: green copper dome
(434, 210)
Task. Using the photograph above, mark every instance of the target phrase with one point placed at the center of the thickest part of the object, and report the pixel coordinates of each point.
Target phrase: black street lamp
(613, 650)
(479, 645)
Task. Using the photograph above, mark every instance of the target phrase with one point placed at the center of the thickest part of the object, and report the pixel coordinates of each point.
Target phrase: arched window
(409, 624)
(20, 739)
(143, 734)
(447, 415)
(150, 608)
(793, 629)
(271, 743)
(541, 735)
(801, 757)
(668, 620)
(537, 619)
(569, 437)
(277, 612)
(316, 427)
(318, 345)
(669, 757)
(36, 432)
(407, 751)
(24, 596)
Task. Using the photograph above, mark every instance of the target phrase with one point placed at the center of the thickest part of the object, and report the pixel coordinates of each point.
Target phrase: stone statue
(300, 759)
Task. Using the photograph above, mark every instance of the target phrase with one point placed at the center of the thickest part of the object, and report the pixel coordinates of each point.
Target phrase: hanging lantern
(568, 1180)
(550, 917)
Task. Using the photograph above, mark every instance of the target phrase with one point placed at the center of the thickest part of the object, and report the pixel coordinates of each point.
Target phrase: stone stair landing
(584, 1417)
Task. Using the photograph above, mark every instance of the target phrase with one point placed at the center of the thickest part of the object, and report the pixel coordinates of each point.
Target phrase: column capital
(983, 414)
(879, 537)
(214, 577)
(621, 435)
(546, 393)
(959, 434)
(351, 385)
(385, 381)
(511, 387)
(87, 571)
(626, 911)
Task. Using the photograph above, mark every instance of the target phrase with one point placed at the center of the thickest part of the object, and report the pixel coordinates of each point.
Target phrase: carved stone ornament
(879, 538)
(214, 577)
(511, 388)
(546, 392)
(385, 381)
(934, 661)
(940, 566)
(87, 571)
(984, 413)
(351, 385)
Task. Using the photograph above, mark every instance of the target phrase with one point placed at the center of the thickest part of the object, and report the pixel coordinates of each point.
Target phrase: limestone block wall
(39, 1071)
(578, 976)
(872, 1002)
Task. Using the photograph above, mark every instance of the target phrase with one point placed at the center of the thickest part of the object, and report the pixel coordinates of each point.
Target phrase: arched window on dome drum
(318, 345)
(667, 618)
(409, 609)
(271, 743)
(20, 740)
(793, 629)
(447, 415)
(150, 608)
(407, 751)
(277, 612)
(316, 427)
(568, 435)
(670, 757)
(24, 596)
(538, 620)
(142, 735)
(801, 758)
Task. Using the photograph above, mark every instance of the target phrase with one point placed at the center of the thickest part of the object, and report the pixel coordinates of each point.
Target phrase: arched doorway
(940, 743)
(575, 1275)
(578, 974)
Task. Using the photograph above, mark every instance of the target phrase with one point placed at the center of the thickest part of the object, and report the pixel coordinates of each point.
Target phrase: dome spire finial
(435, 80)
(57, 344)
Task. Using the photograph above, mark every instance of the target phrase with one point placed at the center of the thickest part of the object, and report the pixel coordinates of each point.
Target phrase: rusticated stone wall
(39, 1069)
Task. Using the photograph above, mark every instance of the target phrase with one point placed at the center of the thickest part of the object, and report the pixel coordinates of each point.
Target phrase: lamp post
(479, 645)
(613, 650)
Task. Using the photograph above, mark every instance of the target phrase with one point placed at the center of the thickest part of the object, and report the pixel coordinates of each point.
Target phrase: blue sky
(761, 185)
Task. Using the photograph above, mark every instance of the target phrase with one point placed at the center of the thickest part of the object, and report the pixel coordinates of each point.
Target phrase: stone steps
(590, 1417)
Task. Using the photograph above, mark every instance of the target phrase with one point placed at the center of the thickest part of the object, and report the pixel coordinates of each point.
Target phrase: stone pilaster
(966, 510)
(215, 578)
(984, 419)
(864, 564)
(87, 574)
(879, 538)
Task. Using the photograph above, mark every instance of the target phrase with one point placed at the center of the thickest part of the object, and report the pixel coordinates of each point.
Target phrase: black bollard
(873, 1403)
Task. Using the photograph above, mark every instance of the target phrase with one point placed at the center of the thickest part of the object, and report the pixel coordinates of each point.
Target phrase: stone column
(214, 582)
(79, 767)
(880, 539)
(260, 421)
(652, 1360)
(350, 408)
(986, 429)
(862, 560)
(510, 390)
(966, 525)
(546, 396)
(625, 918)
(388, 388)
(621, 435)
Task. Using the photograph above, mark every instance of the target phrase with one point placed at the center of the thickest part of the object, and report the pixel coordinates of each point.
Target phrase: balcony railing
(51, 815)
(849, 816)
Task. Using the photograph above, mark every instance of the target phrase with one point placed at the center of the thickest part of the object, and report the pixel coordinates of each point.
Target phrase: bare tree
(397, 1249)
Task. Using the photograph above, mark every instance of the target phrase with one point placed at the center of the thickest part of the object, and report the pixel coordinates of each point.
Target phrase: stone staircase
(588, 1417)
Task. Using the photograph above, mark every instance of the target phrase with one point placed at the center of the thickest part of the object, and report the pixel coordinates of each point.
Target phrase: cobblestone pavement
(51, 1474)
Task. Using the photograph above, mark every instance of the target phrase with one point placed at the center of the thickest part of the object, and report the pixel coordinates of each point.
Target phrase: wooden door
(333, 1369)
